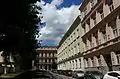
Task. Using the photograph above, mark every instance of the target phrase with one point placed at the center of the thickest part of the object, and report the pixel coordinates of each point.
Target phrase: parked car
(67, 72)
(93, 75)
(112, 75)
(78, 74)
(60, 72)
(54, 71)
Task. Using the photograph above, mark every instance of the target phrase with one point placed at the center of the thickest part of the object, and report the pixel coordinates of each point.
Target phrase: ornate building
(46, 56)
(100, 20)
(70, 48)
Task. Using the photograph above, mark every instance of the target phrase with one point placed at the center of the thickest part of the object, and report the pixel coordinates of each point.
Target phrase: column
(98, 18)
(90, 62)
(107, 30)
(118, 24)
(103, 62)
(91, 23)
(119, 59)
(78, 63)
(114, 58)
(82, 63)
(106, 10)
(96, 61)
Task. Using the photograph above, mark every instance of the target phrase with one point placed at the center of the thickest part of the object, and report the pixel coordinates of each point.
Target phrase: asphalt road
(63, 77)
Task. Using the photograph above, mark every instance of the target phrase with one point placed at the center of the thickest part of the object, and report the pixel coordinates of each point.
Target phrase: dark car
(36, 74)
(78, 74)
(93, 75)
(60, 72)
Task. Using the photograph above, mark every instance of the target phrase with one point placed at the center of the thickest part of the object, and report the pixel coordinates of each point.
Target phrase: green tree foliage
(18, 28)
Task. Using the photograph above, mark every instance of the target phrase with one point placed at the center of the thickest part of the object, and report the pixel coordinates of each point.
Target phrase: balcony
(105, 20)
(106, 45)
(111, 7)
(96, 5)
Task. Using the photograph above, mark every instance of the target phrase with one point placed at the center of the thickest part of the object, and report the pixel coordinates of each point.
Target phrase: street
(63, 77)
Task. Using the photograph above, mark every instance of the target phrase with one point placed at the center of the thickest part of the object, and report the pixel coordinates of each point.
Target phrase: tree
(18, 29)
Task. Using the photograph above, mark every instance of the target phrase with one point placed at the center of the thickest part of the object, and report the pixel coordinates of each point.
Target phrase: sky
(58, 16)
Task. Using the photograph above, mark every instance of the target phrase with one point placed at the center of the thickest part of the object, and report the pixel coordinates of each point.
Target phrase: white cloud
(56, 2)
(58, 20)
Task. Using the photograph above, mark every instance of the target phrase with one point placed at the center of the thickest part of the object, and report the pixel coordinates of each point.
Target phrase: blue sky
(67, 3)
(58, 15)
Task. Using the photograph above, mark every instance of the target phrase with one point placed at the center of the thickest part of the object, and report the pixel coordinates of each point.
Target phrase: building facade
(69, 51)
(100, 21)
(47, 57)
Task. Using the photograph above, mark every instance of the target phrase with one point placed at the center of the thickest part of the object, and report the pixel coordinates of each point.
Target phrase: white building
(101, 34)
(69, 51)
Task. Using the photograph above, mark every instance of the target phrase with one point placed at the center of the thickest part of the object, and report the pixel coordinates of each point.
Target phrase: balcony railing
(111, 7)
(102, 15)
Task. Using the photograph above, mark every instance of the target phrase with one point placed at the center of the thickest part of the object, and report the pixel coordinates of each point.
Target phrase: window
(105, 37)
(45, 60)
(80, 62)
(102, 14)
(94, 19)
(76, 63)
(115, 31)
(85, 11)
(110, 4)
(92, 2)
(84, 28)
(114, 27)
(114, 74)
(49, 54)
(49, 60)
(40, 55)
(73, 64)
(90, 41)
(104, 34)
(99, 61)
(88, 23)
(111, 7)
(45, 54)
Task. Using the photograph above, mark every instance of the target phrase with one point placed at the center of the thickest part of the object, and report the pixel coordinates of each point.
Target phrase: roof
(46, 48)
(85, 2)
